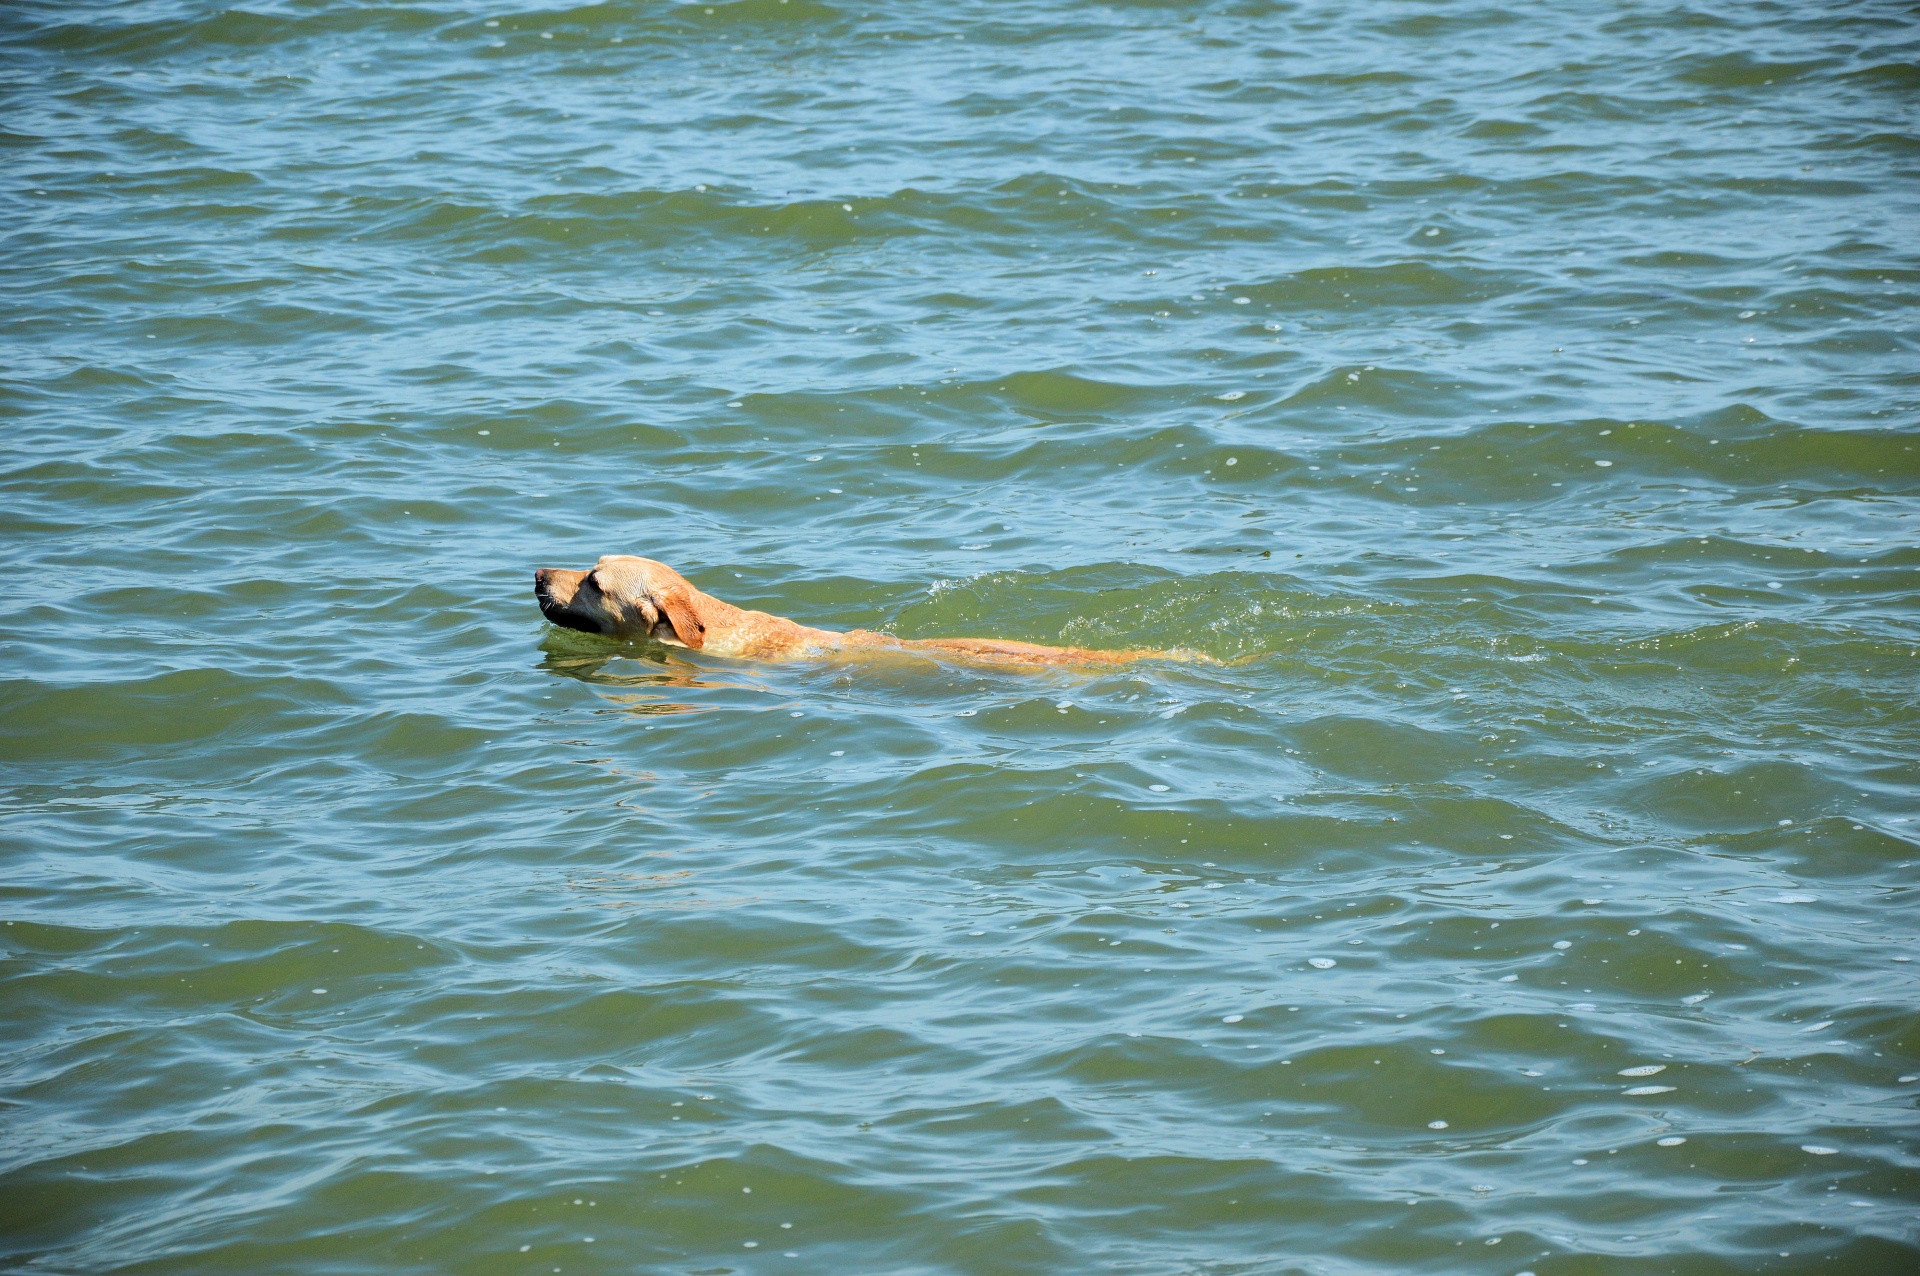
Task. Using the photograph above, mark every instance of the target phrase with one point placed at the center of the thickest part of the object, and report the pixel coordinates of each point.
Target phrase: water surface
(1517, 402)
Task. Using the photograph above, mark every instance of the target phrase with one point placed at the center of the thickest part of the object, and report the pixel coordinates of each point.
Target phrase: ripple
(1510, 407)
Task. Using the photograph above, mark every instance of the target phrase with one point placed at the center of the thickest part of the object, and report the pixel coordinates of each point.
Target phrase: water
(1518, 402)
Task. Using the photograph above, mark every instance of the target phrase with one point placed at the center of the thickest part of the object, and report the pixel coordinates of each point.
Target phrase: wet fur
(623, 596)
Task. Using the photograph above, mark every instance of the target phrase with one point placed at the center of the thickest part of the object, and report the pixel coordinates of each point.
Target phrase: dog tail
(999, 651)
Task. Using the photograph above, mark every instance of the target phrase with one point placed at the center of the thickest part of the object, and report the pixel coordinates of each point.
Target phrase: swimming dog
(623, 596)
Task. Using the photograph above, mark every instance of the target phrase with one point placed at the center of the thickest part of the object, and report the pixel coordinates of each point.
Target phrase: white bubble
(1795, 899)
(1695, 999)
(1644, 1070)
(1322, 963)
(1605, 465)
(1818, 1149)
(1640, 1090)
(1242, 301)
(1231, 395)
(1562, 944)
(966, 713)
(1158, 788)
(1509, 979)
(319, 992)
(1233, 1019)
(1436, 1125)
(1671, 1141)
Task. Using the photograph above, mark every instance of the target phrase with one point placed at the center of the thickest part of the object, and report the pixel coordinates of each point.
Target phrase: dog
(623, 596)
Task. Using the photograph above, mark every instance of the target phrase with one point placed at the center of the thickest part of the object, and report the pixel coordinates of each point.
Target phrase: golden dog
(627, 597)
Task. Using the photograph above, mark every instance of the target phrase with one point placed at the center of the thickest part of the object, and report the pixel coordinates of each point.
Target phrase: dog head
(623, 597)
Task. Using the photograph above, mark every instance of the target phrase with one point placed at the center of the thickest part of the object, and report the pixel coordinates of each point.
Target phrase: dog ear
(687, 626)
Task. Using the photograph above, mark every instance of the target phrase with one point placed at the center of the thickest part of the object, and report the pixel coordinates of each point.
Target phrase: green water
(1518, 401)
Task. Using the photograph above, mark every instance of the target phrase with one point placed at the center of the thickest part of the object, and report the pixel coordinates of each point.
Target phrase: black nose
(540, 576)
